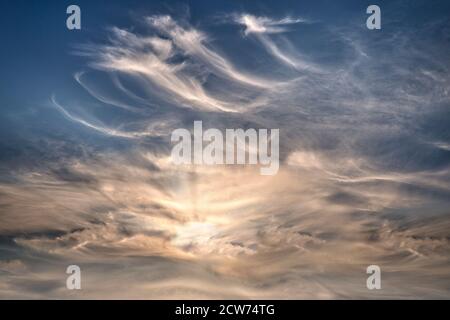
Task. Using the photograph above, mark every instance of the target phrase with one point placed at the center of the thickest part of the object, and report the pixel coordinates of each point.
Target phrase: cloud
(254, 24)
(363, 178)
(175, 62)
(262, 27)
(100, 128)
(193, 42)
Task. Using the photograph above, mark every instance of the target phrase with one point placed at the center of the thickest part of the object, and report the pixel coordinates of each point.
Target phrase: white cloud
(254, 24)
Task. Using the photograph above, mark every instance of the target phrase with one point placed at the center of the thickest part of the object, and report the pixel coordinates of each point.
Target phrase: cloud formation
(363, 178)
(254, 24)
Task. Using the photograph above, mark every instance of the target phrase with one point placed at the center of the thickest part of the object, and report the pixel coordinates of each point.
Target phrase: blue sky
(85, 171)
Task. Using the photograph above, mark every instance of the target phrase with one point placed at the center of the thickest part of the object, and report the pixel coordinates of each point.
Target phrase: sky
(86, 176)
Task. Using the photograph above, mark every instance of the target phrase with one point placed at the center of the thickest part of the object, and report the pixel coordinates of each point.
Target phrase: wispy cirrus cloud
(255, 24)
(175, 61)
(263, 27)
(363, 180)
